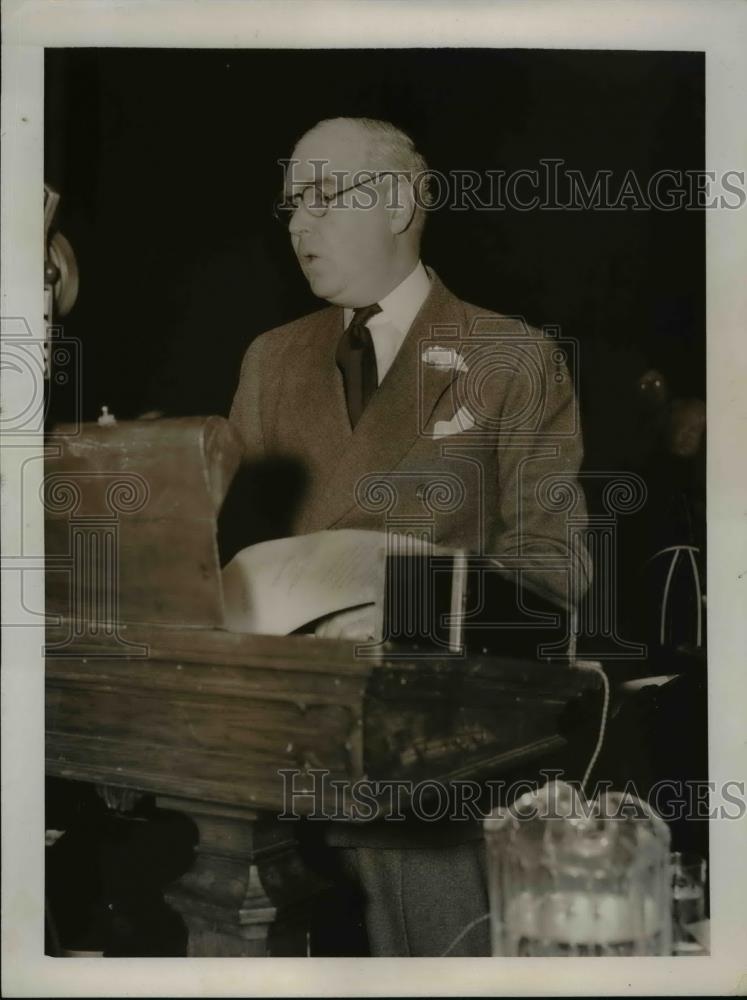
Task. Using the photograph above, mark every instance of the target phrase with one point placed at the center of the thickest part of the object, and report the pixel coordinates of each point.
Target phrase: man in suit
(467, 418)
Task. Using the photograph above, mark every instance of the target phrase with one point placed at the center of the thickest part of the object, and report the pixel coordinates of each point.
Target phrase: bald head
(360, 247)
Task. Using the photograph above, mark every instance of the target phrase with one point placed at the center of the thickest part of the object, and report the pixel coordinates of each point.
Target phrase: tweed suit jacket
(469, 431)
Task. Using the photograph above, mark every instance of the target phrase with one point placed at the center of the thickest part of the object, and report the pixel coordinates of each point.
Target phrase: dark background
(167, 165)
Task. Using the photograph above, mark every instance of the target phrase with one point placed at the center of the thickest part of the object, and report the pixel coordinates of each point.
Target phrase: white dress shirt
(398, 309)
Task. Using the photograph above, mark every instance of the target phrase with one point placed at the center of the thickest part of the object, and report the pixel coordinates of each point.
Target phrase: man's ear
(400, 204)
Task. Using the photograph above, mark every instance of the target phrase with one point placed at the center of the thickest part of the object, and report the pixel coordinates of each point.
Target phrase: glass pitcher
(572, 878)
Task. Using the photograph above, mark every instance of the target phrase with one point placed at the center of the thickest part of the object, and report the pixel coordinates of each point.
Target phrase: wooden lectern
(145, 690)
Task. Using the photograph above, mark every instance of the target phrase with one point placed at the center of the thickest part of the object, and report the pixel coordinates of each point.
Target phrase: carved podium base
(247, 892)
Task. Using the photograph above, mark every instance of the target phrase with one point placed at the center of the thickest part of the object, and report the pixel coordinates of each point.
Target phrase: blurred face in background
(653, 390)
(686, 427)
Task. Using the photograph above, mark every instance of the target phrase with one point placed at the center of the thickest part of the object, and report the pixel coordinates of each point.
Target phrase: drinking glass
(572, 878)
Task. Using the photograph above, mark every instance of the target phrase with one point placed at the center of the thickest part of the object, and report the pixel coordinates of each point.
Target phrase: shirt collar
(401, 306)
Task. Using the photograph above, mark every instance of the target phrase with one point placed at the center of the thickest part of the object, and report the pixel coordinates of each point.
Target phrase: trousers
(418, 901)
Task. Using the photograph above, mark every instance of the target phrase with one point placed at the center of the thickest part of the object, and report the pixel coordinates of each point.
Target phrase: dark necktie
(356, 359)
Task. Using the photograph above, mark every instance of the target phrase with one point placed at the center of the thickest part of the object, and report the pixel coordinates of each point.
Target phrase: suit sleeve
(246, 410)
(538, 486)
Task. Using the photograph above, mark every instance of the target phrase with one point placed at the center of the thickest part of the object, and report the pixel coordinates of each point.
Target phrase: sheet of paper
(276, 587)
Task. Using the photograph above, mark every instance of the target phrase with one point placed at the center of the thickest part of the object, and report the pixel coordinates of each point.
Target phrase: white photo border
(716, 27)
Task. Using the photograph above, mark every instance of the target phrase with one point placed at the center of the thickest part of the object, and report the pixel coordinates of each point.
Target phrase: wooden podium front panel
(206, 714)
(215, 716)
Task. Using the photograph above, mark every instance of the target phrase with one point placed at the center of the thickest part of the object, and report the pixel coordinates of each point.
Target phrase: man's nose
(301, 221)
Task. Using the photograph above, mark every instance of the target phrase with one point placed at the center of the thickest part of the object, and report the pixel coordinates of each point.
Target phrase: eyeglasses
(314, 199)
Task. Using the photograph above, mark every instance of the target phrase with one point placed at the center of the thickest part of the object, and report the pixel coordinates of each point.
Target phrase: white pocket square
(460, 422)
(445, 358)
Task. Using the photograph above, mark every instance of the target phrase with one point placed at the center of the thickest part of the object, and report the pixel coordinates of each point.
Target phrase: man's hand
(354, 623)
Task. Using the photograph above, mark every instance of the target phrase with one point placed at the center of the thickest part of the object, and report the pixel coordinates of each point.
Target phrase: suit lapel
(394, 418)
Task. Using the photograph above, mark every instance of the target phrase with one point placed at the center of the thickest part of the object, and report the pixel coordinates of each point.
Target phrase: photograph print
(375, 502)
